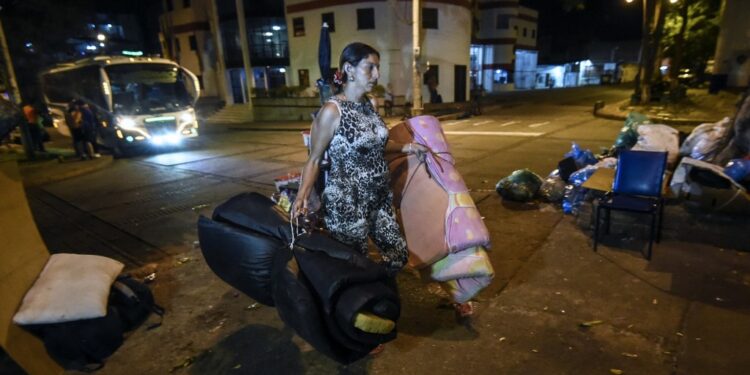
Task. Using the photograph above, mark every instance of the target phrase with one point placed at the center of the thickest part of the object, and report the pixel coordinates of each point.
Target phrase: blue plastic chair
(637, 188)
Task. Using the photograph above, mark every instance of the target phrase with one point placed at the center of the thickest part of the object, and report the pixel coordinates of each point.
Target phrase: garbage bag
(581, 157)
(580, 176)
(705, 141)
(628, 136)
(738, 169)
(575, 193)
(660, 138)
(521, 185)
(552, 189)
(243, 259)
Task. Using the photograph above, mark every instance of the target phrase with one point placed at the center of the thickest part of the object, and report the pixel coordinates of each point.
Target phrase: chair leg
(596, 225)
(651, 236)
(661, 216)
(607, 220)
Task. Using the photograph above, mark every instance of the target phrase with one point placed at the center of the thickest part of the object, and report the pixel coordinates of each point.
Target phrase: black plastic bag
(522, 185)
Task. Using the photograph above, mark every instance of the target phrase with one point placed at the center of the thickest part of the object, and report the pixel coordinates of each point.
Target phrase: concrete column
(245, 54)
(417, 52)
(221, 69)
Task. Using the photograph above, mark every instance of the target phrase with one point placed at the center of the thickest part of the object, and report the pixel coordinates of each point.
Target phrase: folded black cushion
(255, 212)
(243, 259)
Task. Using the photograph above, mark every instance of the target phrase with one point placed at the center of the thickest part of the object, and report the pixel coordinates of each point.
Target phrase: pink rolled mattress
(442, 226)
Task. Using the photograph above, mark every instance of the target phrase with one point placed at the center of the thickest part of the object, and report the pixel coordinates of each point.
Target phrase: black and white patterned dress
(357, 198)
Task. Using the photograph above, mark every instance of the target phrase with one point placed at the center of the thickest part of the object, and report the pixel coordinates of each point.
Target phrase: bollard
(599, 104)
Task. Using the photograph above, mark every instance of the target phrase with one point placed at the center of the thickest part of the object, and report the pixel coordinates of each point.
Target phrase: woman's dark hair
(353, 54)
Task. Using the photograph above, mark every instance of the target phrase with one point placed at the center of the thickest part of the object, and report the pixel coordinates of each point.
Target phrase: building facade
(504, 48)
(186, 38)
(386, 25)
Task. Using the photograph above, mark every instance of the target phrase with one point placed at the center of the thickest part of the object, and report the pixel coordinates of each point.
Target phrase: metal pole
(219, 46)
(15, 94)
(245, 55)
(416, 109)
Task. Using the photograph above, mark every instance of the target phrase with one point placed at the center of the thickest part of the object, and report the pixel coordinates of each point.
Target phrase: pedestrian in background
(75, 124)
(89, 125)
(35, 127)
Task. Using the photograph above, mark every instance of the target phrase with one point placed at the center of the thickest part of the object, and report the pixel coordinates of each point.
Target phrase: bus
(138, 101)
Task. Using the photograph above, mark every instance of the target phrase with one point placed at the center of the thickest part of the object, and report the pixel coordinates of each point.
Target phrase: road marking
(508, 134)
(482, 122)
(538, 124)
(508, 123)
(456, 122)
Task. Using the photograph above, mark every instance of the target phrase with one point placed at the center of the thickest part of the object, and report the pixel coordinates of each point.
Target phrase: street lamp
(101, 37)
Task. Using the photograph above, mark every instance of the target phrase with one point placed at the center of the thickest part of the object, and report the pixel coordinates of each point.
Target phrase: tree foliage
(700, 35)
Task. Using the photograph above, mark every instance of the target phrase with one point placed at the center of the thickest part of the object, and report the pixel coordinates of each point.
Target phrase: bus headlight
(187, 117)
(126, 123)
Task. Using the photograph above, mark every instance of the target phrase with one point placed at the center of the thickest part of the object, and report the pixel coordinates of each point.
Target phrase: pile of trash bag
(705, 141)
(522, 185)
(628, 136)
(335, 298)
(581, 157)
(738, 169)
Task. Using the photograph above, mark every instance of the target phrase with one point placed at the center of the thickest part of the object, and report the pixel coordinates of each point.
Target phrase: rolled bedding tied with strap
(338, 300)
(451, 249)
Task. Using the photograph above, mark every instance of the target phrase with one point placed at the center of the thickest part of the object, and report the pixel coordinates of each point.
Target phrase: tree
(690, 34)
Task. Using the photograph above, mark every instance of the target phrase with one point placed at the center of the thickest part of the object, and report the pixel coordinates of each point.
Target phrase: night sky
(607, 20)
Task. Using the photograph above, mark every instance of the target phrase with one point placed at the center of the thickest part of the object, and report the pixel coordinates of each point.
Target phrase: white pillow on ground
(70, 287)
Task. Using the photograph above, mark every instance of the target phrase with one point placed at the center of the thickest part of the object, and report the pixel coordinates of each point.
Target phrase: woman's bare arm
(323, 128)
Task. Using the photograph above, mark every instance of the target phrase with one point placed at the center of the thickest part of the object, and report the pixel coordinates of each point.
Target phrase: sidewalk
(699, 107)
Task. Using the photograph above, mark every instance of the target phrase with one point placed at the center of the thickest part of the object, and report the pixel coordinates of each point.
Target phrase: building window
(365, 19)
(299, 26)
(524, 32)
(533, 33)
(170, 6)
(193, 43)
(177, 44)
(500, 76)
(503, 22)
(304, 77)
(328, 18)
(429, 18)
(186, 3)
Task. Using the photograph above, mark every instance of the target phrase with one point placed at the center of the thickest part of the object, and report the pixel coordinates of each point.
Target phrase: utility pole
(416, 108)
(245, 55)
(219, 48)
(28, 146)
(15, 92)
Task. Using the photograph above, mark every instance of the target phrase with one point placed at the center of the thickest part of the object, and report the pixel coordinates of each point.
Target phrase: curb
(610, 112)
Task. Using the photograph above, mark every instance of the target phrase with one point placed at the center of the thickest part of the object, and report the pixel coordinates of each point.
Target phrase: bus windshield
(148, 88)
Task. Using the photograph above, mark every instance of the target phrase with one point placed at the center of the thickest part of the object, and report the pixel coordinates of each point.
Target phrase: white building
(186, 38)
(732, 59)
(385, 25)
(504, 51)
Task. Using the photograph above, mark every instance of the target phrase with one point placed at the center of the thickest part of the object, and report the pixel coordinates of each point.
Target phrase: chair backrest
(640, 173)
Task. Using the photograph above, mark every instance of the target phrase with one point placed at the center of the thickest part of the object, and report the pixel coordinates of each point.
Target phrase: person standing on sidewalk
(75, 124)
(88, 124)
(34, 124)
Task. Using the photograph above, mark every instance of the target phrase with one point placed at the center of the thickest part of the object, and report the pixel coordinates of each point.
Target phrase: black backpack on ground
(83, 345)
(134, 303)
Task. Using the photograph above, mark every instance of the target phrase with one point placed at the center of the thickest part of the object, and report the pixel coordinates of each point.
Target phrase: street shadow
(520, 206)
(255, 349)
(428, 315)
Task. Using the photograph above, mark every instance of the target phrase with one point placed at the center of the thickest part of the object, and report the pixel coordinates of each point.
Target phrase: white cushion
(70, 287)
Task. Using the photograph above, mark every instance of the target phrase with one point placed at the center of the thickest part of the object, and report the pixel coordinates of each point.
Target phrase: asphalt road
(144, 207)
